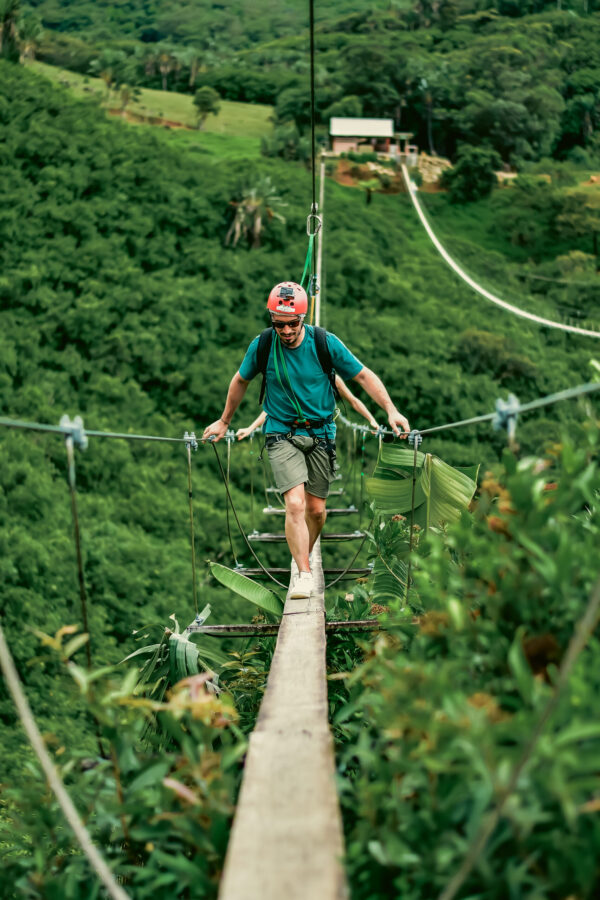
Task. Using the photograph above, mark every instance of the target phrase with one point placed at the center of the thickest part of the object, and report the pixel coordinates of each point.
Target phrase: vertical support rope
(362, 480)
(412, 519)
(188, 448)
(252, 517)
(234, 557)
(77, 536)
(312, 102)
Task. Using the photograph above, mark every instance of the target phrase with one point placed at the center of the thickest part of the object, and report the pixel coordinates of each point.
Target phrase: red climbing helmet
(288, 299)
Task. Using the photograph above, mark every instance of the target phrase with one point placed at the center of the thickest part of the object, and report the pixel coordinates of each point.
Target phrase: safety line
(540, 320)
(96, 861)
(519, 408)
(66, 430)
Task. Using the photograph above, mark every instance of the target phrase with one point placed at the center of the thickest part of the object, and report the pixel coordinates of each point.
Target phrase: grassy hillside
(119, 301)
(242, 121)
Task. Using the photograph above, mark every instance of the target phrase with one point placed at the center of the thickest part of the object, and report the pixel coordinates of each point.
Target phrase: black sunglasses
(293, 323)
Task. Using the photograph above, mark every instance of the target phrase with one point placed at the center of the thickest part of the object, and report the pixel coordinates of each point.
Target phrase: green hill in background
(120, 301)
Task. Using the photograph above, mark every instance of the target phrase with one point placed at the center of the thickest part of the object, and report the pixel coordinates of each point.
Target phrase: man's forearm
(375, 388)
(235, 395)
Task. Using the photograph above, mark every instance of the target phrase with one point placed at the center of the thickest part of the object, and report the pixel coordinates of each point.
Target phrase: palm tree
(258, 204)
(30, 35)
(9, 13)
(166, 64)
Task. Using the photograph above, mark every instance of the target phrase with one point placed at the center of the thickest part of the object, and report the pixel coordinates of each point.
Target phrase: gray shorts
(291, 466)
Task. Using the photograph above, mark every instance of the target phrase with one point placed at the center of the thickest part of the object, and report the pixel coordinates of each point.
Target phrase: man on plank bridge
(298, 363)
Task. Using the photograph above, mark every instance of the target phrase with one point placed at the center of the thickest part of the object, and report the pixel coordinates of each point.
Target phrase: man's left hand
(398, 421)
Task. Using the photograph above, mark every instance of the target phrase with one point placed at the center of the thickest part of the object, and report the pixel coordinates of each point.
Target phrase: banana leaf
(389, 581)
(441, 491)
(251, 590)
(186, 658)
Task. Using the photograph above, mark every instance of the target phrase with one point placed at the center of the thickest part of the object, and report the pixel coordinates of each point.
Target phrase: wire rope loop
(314, 223)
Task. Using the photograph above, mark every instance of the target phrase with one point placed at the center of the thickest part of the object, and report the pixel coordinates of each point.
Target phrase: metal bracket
(190, 440)
(77, 432)
(507, 412)
(415, 438)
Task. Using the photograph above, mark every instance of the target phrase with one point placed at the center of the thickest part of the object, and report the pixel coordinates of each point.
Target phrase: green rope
(309, 256)
(293, 399)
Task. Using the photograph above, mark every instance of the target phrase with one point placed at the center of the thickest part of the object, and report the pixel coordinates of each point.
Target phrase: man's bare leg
(315, 516)
(296, 527)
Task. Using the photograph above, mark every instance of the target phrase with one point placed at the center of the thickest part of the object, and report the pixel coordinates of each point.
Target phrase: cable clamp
(506, 415)
(190, 440)
(76, 431)
(230, 436)
(313, 285)
(314, 223)
(415, 438)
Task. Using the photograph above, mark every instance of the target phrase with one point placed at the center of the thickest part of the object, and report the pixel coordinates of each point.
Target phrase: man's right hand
(217, 431)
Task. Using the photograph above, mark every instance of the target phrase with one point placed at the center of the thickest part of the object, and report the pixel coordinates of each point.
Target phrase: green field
(241, 123)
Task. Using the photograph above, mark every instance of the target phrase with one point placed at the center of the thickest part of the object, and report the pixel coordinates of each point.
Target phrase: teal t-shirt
(309, 382)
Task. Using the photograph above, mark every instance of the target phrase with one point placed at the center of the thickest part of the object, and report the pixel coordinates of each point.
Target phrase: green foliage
(119, 301)
(287, 143)
(521, 78)
(248, 589)
(473, 175)
(160, 815)
(206, 101)
(440, 714)
(440, 491)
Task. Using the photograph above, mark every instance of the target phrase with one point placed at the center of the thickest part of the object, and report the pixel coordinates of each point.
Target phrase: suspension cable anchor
(415, 438)
(507, 412)
(76, 431)
(190, 440)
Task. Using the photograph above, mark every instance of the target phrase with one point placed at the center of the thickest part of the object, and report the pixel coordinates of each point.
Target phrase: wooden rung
(261, 628)
(280, 511)
(257, 573)
(267, 537)
(337, 492)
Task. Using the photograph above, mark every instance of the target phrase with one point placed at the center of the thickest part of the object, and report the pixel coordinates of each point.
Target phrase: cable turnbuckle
(415, 438)
(190, 440)
(507, 412)
(76, 431)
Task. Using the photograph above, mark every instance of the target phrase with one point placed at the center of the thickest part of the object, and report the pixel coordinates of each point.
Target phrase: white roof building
(361, 128)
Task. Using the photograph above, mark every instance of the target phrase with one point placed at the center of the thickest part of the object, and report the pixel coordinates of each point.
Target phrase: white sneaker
(303, 587)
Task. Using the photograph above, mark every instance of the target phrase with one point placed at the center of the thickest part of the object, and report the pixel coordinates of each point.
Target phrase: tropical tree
(9, 14)
(30, 33)
(206, 101)
(257, 204)
(166, 64)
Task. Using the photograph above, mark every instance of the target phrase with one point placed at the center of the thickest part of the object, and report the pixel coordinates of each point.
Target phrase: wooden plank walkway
(286, 842)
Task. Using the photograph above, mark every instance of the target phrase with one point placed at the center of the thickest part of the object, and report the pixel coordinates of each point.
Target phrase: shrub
(473, 175)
